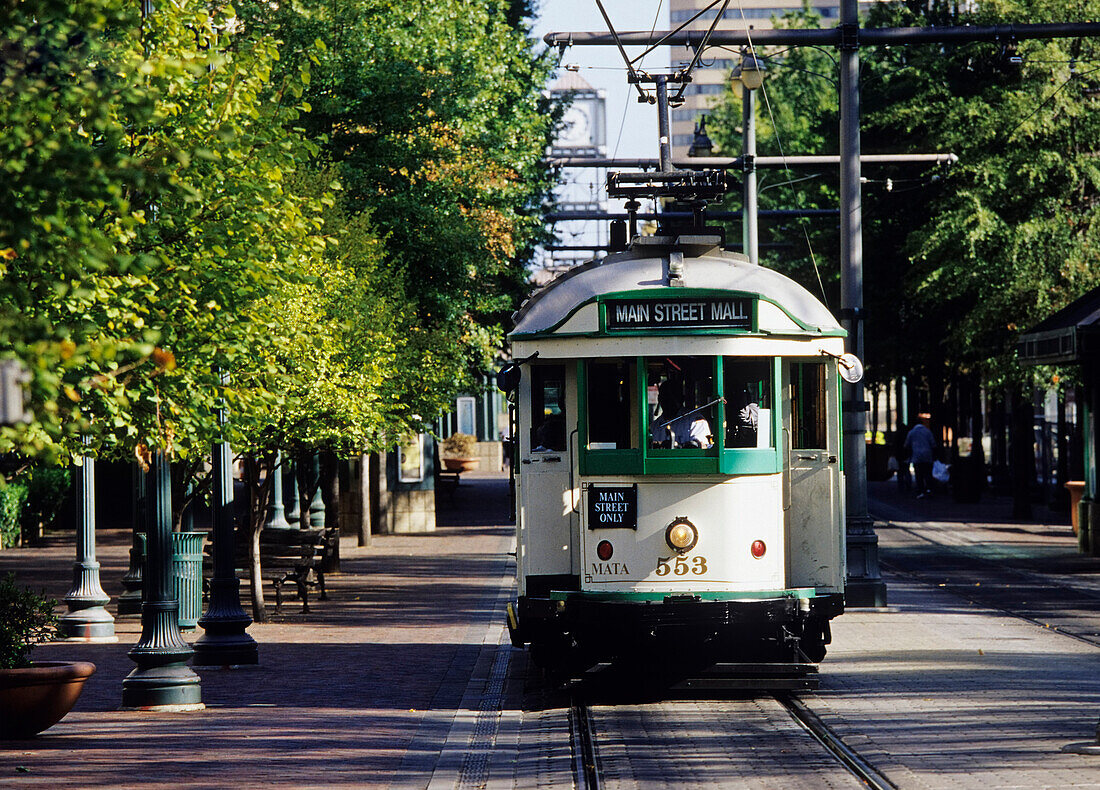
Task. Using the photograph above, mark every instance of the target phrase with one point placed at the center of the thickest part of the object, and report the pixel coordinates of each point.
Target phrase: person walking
(921, 445)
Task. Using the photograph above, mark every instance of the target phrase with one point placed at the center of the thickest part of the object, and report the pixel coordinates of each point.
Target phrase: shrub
(26, 618)
(459, 445)
(47, 487)
(13, 496)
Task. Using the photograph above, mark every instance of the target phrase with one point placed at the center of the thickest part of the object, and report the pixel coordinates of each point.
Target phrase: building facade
(713, 71)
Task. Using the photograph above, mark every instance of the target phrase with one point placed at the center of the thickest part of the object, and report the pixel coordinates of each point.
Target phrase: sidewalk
(363, 692)
(405, 679)
(939, 691)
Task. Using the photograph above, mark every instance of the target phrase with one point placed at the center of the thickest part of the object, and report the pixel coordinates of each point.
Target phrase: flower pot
(461, 464)
(1076, 490)
(36, 697)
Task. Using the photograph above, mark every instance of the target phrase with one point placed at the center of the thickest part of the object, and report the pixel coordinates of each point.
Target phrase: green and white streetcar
(677, 456)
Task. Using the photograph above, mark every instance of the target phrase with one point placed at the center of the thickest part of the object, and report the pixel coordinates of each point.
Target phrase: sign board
(613, 507)
(705, 312)
(410, 458)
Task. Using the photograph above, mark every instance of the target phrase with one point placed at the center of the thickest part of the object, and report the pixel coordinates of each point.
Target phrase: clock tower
(582, 134)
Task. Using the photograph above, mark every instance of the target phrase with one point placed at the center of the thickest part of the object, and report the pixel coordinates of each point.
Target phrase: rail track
(621, 746)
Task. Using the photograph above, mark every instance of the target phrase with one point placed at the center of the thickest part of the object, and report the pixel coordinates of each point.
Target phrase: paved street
(405, 679)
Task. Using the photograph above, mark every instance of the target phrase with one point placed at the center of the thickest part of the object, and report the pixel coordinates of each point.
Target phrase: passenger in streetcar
(678, 425)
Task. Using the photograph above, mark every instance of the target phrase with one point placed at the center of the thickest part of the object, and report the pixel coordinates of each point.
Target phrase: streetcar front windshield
(681, 400)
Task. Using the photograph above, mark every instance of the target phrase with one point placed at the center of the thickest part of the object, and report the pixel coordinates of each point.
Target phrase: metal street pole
(864, 584)
(86, 620)
(276, 511)
(130, 601)
(162, 679)
(225, 641)
(749, 228)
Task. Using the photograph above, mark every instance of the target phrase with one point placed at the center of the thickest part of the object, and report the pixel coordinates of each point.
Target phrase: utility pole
(865, 586)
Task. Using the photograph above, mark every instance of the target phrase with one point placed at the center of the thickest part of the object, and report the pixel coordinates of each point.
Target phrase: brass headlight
(681, 535)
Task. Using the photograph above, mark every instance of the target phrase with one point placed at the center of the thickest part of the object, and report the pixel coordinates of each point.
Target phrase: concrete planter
(36, 697)
(461, 464)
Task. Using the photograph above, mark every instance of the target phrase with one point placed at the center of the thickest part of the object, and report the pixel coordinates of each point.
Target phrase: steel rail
(586, 769)
(831, 741)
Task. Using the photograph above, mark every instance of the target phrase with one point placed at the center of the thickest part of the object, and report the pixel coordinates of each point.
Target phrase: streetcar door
(546, 440)
(812, 444)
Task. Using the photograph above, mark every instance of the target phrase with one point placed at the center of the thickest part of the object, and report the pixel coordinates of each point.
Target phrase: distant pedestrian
(921, 445)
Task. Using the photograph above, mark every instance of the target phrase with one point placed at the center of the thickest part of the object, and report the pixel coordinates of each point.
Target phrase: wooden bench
(286, 555)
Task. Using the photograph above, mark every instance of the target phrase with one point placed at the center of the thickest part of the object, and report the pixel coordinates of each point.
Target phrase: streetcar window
(547, 408)
(681, 402)
(747, 384)
(612, 416)
(808, 421)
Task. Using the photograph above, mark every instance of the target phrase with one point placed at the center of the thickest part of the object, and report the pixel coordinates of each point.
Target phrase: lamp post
(748, 76)
(162, 679)
(225, 642)
(130, 601)
(86, 620)
(864, 585)
(276, 511)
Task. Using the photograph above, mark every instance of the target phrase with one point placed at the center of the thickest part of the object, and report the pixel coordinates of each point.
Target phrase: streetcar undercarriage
(569, 632)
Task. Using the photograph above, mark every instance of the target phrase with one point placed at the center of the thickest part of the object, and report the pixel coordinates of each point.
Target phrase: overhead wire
(783, 156)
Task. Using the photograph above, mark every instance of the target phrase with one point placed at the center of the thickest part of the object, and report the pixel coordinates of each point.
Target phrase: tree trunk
(305, 469)
(258, 480)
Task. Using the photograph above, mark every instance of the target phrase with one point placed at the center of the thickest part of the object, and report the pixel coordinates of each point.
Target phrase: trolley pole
(864, 585)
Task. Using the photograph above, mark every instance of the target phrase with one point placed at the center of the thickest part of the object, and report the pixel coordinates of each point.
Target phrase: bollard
(1083, 527)
(1094, 528)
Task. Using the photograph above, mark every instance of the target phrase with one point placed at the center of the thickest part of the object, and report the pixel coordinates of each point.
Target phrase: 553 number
(681, 566)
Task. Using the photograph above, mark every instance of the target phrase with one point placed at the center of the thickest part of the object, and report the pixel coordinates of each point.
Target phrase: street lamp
(701, 144)
(748, 76)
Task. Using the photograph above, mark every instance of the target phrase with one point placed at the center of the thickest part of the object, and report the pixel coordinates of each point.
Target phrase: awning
(1072, 335)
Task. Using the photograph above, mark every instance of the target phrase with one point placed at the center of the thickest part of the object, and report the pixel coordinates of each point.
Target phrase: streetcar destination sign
(699, 313)
(613, 507)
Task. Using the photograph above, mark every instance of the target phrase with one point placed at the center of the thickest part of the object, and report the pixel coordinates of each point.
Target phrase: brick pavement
(404, 679)
(363, 692)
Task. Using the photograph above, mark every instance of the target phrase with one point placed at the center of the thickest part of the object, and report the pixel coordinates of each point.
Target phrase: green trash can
(186, 574)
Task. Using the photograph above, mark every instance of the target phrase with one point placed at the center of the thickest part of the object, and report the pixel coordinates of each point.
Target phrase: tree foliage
(330, 203)
(956, 263)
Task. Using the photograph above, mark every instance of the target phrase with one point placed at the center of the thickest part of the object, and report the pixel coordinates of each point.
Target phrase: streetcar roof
(644, 269)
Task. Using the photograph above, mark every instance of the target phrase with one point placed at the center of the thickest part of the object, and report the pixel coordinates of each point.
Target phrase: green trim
(666, 293)
(713, 461)
(707, 595)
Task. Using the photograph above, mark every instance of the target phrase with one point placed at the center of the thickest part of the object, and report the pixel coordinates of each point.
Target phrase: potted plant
(458, 452)
(33, 695)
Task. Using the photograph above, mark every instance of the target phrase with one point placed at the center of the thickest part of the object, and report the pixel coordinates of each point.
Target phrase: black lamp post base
(864, 586)
(227, 649)
(862, 593)
(168, 688)
(129, 604)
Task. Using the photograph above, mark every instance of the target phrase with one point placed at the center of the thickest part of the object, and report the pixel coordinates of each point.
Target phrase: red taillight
(758, 549)
(604, 550)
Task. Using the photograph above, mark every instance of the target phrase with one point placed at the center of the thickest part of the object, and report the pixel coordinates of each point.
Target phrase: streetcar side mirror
(508, 378)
